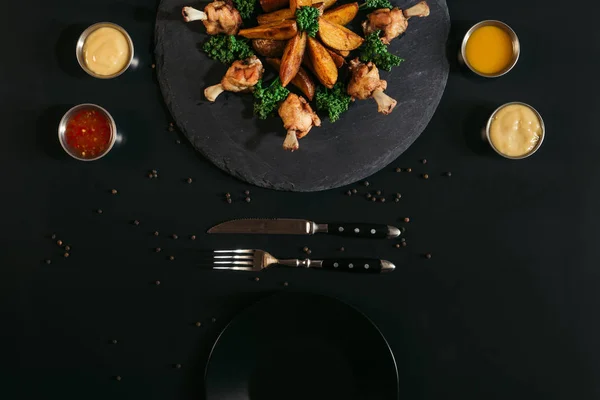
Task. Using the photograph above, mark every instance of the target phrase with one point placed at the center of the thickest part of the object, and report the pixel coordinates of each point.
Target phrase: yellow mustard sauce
(106, 51)
(515, 130)
(489, 50)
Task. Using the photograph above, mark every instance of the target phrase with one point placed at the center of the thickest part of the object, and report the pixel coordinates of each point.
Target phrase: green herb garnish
(227, 48)
(267, 99)
(377, 52)
(307, 19)
(375, 4)
(335, 101)
(245, 7)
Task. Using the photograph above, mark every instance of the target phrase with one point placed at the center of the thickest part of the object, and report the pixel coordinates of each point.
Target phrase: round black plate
(301, 346)
(361, 143)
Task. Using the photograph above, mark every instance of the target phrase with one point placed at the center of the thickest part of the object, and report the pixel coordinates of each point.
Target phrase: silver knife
(304, 227)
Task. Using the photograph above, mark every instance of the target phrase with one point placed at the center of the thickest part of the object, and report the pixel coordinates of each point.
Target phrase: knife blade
(287, 226)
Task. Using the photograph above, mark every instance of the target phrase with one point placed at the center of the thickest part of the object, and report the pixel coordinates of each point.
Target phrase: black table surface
(506, 308)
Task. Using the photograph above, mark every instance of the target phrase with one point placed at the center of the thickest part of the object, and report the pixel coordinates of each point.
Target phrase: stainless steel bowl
(515, 44)
(538, 144)
(81, 42)
(62, 129)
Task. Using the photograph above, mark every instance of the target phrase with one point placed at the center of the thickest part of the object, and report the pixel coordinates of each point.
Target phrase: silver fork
(257, 260)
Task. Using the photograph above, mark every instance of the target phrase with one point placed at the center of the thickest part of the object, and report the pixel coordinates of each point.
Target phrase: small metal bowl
(515, 44)
(538, 144)
(62, 130)
(81, 42)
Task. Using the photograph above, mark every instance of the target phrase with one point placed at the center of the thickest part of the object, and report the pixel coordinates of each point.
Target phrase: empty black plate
(301, 346)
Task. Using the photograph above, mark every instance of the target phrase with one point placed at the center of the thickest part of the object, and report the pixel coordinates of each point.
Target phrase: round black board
(361, 143)
(301, 346)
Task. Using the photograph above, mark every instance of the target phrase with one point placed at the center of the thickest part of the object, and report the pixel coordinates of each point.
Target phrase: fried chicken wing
(298, 119)
(218, 17)
(242, 76)
(393, 23)
(365, 84)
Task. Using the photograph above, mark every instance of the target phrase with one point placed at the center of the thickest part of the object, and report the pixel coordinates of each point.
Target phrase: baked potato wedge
(276, 16)
(282, 30)
(338, 37)
(294, 4)
(322, 63)
(302, 80)
(272, 5)
(342, 15)
(269, 47)
(292, 58)
(337, 59)
(326, 3)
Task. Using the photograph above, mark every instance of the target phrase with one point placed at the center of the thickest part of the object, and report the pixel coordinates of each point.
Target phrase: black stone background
(506, 308)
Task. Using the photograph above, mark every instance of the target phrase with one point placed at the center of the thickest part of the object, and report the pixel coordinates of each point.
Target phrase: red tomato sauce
(88, 133)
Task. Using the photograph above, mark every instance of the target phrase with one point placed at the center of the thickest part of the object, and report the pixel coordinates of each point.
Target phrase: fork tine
(234, 268)
(235, 251)
(234, 263)
(242, 257)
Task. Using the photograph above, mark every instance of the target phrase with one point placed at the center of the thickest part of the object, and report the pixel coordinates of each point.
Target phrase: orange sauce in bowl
(489, 50)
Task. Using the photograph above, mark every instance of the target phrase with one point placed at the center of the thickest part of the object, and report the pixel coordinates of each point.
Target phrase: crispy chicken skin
(365, 84)
(218, 17)
(393, 23)
(298, 119)
(242, 76)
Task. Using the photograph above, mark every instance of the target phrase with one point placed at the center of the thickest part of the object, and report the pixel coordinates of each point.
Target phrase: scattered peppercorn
(157, 283)
(154, 171)
(153, 66)
(369, 195)
(198, 324)
(114, 191)
(68, 248)
(354, 191)
(178, 366)
(178, 141)
(398, 169)
(366, 183)
(309, 252)
(53, 236)
(136, 222)
(156, 233)
(286, 284)
(397, 200)
(150, 175)
(256, 279)
(171, 129)
(229, 200)
(171, 258)
(382, 199)
(189, 180)
(118, 378)
(193, 237)
(342, 249)
(66, 255)
(174, 236)
(397, 245)
(406, 219)
(428, 256)
(228, 195)
(171, 124)
(155, 176)
(248, 199)
(349, 192)
(424, 161)
(247, 192)
(448, 174)
(425, 176)
(99, 211)
(403, 239)
(213, 319)
(404, 244)
(378, 193)
(59, 242)
(305, 249)
(158, 250)
(373, 198)
(398, 195)
(408, 169)
(48, 261)
(114, 341)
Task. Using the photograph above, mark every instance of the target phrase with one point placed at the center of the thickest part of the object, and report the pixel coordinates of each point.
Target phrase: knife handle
(358, 265)
(375, 231)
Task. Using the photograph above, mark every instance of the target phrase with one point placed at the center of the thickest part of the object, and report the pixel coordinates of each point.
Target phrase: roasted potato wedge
(302, 80)
(277, 31)
(338, 37)
(292, 58)
(326, 3)
(294, 4)
(322, 63)
(337, 59)
(276, 16)
(272, 5)
(342, 15)
(269, 47)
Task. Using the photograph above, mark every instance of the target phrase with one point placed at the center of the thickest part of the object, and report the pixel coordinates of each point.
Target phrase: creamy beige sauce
(106, 51)
(515, 130)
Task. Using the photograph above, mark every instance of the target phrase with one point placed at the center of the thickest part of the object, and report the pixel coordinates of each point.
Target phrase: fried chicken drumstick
(393, 23)
(218, 17)
(298, 119)
(242, 76)
(365, 84)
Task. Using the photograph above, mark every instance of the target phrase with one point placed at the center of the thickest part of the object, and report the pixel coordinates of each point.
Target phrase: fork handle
(358, 265)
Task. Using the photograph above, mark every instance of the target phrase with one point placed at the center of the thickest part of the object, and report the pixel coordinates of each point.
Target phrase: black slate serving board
(361, 143)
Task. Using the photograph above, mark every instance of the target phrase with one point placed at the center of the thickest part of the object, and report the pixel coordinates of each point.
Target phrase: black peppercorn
(59, 242)
(404, 244)
(382, 199)
(155, 175)
(213, 319)
(398, 169)
(248, 199)
(309, 251)
(114, 191)
(305, 249)
(66, 255)
(68, 248)
(408, 169)
(354, 191)
(247, 192)
(178, 141)
(397, 245)
(174, 236)
(198, 324)
(397, 200)
(424, 161)
(189, 180)
(286, 284)
(157, 283)
(48, 261)
(193, 237)
(118, 377)
(349, 192)
(448, 174)
(368, 195)
(229, 200)
(366, 183)
(373, 198)
(256, 279)
(99, 211)
(342, 249)
(228, 195)
(406, 219)
(378, 193)
(158, 250)
(114, 341)
(178, 366)
(425, 176)
(428, 256)
(403, 239)
(155, 233)
(53, 236)
(153, 66)
(398, 195)
(171, 258)
(136, 222)
(150, 175)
